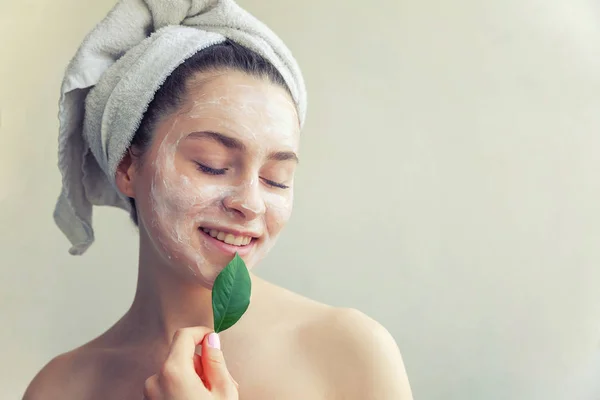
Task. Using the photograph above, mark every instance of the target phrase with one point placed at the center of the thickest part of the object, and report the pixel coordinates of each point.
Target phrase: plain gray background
(448, 188)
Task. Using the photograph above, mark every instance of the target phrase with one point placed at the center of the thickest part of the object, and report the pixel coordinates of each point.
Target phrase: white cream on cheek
(279, 211)
(173, 199)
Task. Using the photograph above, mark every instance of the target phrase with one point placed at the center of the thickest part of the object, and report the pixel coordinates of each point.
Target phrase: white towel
(113, 77)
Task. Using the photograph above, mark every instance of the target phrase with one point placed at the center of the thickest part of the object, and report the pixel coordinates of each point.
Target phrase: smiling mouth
(228, 238)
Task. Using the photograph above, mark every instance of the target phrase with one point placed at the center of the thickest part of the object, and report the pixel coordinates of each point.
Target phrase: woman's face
(218, 178)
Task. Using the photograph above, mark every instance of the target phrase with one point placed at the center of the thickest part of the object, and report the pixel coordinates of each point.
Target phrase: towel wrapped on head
(113, 78)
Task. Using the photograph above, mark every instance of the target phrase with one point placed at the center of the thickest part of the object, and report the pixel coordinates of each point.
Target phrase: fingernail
(214, 341)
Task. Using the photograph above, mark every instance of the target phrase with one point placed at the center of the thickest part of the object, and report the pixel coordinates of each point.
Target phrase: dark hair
(170, 96)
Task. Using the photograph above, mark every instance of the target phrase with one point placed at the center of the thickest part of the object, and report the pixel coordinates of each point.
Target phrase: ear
(125, 175)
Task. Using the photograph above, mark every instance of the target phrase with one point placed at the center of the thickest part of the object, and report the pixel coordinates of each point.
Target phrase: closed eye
(221, 171)
(211, 171)
(275, 184)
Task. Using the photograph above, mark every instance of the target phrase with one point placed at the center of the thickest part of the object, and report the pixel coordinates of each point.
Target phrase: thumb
(216, 374)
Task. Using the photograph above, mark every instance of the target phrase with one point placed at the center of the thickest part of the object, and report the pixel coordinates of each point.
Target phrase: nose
(246, 200)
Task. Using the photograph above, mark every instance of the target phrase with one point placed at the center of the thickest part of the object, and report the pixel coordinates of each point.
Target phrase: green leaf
(231, 294)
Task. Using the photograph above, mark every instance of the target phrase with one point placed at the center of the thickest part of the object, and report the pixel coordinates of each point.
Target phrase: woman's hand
(187, 376)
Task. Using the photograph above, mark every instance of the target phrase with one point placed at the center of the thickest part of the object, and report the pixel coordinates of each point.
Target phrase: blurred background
(449, 189)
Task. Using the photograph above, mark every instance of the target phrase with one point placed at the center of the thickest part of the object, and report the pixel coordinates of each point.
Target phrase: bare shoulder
(359, 356)
(347, 354)
(65, 376)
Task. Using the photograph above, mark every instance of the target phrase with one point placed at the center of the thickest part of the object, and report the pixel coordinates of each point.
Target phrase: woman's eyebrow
(283, 156)
(227, 141)
(233, 143)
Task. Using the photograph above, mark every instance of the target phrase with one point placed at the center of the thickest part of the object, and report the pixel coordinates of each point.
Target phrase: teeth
(229, 238)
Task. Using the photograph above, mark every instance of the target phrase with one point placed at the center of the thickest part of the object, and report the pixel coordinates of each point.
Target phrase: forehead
(238, 104)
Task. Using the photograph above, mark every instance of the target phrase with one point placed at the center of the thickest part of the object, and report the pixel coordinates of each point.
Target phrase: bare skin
(285, 346)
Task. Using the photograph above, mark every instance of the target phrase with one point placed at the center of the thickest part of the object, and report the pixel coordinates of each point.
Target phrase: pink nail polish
(214, 341)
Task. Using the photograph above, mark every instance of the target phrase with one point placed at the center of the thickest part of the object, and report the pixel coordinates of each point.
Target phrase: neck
(165, 302)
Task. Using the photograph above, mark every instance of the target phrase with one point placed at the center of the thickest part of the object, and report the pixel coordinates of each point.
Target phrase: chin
(208, 251)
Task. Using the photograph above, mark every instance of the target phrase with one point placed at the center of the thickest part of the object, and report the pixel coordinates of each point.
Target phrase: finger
(213, 364)
(199, 370)
(237, 385)
(198, 365)
(183, 347)
(151, 390)
(234, 381)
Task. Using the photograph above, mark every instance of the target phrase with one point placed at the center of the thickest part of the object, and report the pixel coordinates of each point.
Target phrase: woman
(209, 172)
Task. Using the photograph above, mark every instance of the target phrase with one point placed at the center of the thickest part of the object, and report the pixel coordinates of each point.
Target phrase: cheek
(279, 210)
(175, 195)
(175, 201)
(179, 197)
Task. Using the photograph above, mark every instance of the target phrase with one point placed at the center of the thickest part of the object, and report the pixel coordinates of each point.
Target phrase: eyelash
(275, 184)
(213, 171)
